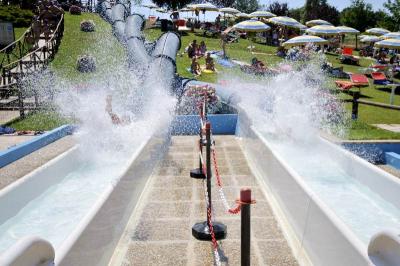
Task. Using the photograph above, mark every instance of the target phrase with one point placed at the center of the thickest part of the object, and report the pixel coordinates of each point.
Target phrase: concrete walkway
(391, 127)
(27, 164)
(159, 231)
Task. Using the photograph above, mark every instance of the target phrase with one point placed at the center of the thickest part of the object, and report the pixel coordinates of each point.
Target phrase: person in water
(115, 119)
(210, 62)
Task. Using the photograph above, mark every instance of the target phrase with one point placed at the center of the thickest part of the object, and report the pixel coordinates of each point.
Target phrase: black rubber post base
(201, 231)
(197, 173)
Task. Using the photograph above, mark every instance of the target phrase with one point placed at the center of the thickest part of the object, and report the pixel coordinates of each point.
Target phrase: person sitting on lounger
(195, 67)
(210, 62)
(202, 48)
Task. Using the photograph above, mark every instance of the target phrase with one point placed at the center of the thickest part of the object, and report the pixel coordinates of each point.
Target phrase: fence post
(201, 231)
(354, 109)
(245, 201)
(20, 98)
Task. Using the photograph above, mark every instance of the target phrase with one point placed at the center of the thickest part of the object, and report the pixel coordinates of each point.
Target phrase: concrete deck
(27, 164)
(159, 230)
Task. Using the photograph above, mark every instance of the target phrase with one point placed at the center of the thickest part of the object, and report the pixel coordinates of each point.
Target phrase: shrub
(86, 63)
(87, 25)
(19, 17)
(75, 10)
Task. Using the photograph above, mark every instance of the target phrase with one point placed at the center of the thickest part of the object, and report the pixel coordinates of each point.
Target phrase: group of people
(195, 52)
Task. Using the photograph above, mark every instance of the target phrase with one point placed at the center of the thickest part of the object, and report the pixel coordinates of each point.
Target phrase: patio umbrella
(317, 22)
(229, 10)
(151, 6)
(304, 39)
(185, 9)
(347, 30)
(377, 31)
(262, 14)
(323, 30)
(389, 43)
(391, 35)
(251, 26)
(242, 15)
(286, 21)
(161, 10)
(370, 39)
(205, 7)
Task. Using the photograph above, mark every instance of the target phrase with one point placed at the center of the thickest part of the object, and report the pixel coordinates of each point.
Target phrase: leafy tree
(223, 3)
(278, 8)
(247, 6)
(386, 21)
(172, 4)
(359, 15)
(296, 13)
(320, 9)
(394, 8)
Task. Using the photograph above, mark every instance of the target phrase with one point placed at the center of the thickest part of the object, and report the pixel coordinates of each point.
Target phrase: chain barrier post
(245, 201)
(202, 230)
(354, 109)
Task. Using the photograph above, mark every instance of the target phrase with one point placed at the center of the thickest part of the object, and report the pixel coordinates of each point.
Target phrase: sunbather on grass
(210, 62)
(195, 67)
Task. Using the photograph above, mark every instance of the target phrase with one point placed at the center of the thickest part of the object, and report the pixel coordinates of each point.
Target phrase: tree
(386, 21)
(171, 4)
(247, 6)
(320, 9)
(394, 9)
(223, 3)
(278, 8)
(296, 13)
(359, 15)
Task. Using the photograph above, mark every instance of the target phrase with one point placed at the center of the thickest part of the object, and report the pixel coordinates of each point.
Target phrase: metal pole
(245, 199)
(354, 109)
(208, 160)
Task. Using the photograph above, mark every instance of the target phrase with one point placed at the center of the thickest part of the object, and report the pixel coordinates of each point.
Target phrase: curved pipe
(165, 51)
(384, 248)
(137, 53)
(118, 21)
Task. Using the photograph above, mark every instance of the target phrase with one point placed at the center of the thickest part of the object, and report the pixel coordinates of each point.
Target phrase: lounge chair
(356, 80)
(381, 79)
(347, 56)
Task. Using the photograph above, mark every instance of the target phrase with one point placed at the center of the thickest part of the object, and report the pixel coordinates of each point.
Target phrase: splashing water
(290, 110)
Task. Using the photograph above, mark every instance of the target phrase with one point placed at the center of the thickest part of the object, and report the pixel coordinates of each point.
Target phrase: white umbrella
(323, 30)
(304, 39)
(242, 15)
(347, 30)
(317, 22)
(205, 7)
(262, 14)
(370, 38)
(286, 21)
(377, 31)
(389, 43)
(391, 35)
(251, 26)
(229, 10)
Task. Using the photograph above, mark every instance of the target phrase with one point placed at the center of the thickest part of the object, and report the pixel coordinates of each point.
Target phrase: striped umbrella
(285, 21)
(391, 35)
(151, 6)
(347, 30)
(389, 43)
(377, 31)
(251, 26)
(370, 38)
(206, 7)
(304, 39)
(323, 30)
(317, 22)
(229, 10)
(262, 14)
(242, 15)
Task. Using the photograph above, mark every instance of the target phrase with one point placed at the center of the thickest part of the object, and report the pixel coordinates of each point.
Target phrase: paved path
(390, 127)
(7, 116)
(27, 164)
(159, 231)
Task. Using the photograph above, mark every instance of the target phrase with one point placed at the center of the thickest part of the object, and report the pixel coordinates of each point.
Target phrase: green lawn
(42, 120)
(18, 33)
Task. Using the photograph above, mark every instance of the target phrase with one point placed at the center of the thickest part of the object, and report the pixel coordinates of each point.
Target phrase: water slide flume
(332, 204)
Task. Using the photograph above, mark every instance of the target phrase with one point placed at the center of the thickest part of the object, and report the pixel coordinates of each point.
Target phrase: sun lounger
(380, 79)
(347, 57)
(356, 80)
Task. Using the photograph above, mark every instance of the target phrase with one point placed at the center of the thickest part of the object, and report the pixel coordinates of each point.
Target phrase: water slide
(335, 207)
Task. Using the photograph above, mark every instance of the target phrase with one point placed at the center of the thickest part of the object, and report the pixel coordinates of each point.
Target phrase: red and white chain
(221, 193)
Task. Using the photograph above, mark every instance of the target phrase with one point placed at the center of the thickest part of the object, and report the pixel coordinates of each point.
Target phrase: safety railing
(210, 229)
